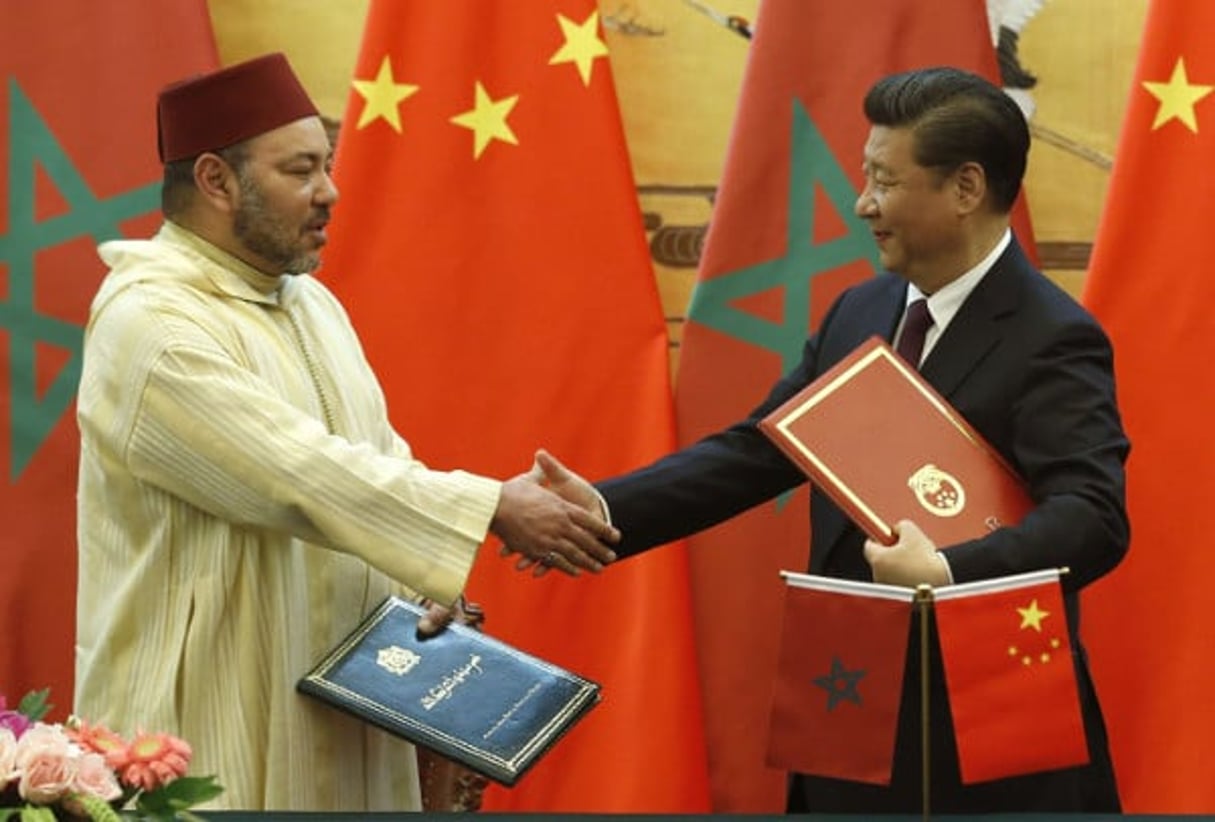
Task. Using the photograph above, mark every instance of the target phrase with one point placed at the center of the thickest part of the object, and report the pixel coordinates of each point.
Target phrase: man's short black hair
(177, 186)
(956, 117)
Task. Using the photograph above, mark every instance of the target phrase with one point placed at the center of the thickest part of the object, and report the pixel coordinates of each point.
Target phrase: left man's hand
(912, 560)
(550, 531)
(548, 471)
(438, 617)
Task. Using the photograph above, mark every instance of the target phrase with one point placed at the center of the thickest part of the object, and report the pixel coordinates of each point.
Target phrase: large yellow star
(582, 45)
(487, 119)
(1177, 98)
(382, 97)
(1032, 616)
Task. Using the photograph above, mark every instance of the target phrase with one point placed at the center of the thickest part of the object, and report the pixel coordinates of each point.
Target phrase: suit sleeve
(708, 482)
(1065, 436)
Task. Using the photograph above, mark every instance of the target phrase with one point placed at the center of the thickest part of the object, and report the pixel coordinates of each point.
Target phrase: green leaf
(98, 809)
(37, 813)
(178, 795)
(34, 705)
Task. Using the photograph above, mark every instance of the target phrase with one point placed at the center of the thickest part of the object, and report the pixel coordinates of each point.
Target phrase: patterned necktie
(915, 327)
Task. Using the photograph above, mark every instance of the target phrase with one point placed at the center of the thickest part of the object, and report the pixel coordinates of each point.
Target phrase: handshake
(553, 518)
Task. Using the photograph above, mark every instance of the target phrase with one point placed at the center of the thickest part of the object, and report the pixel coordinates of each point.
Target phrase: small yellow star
(582, 45)
(1177, 98)
(487, 119)
(382, 97)
(1032, 616)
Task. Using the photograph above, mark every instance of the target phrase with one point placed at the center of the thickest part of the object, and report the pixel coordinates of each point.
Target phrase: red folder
(884, 446)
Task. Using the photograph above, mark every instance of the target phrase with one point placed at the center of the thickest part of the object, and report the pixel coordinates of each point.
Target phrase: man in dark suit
(1025, 364)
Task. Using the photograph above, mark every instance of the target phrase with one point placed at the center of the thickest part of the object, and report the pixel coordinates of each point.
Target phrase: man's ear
(216, 180)
(970, 186)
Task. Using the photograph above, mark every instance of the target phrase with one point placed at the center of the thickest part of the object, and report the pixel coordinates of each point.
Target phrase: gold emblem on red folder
(397, 660)
(938, 492)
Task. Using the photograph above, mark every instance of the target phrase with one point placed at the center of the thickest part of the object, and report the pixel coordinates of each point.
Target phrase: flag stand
(923, 598)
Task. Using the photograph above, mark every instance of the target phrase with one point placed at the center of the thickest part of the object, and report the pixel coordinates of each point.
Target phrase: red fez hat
(216, 110)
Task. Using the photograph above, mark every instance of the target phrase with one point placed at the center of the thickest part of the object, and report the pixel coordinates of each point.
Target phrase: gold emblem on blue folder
(397, 660)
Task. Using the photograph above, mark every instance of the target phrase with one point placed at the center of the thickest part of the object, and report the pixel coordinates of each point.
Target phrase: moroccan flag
(1010, 675)
(490, 249)
(783, 242)
(1148, 624)
(77, 166)
(835, 704)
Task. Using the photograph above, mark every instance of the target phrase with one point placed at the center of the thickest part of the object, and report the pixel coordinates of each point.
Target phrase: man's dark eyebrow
(313, 157)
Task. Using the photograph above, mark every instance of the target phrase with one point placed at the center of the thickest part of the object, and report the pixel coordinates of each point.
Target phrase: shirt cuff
(603, 506)
(948, 570)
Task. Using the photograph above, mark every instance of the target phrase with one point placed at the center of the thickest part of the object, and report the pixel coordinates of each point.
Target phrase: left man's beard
(269, 236)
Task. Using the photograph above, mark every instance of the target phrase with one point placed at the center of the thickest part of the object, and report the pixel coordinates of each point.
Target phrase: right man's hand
(550, 531)
(549, 472)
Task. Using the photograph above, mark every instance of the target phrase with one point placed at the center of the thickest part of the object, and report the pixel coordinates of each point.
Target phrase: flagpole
(923, 597)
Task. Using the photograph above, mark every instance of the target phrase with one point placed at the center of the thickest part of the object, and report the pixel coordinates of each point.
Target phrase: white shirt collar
(945, 303)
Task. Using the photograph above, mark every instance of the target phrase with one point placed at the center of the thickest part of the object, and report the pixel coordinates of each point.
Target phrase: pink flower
(151, 760)
(96, 738)
(43, 759)
(80, 768)
(93, 778)
(14, 721)
(46, 776)
(42, 740)
(8, 757)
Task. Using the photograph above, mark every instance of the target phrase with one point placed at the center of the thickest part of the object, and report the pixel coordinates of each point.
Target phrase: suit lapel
(883, 312)
(889, 311)
(976, 329)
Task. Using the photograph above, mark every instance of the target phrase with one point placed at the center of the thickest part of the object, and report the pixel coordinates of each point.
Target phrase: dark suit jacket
(1032, 371)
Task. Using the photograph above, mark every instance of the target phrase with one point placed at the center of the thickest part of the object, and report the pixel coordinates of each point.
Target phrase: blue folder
(462, 693)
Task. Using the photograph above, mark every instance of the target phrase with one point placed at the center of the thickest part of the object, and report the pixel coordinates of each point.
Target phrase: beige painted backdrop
(678, 73)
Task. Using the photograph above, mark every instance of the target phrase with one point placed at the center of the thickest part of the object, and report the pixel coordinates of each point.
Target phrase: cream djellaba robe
(243, 502)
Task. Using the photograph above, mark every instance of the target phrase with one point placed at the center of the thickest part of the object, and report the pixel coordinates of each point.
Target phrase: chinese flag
(835, 704)
(77, 166)
(1011, 677)
(490, 249)
(1148, 624)
(783, 242)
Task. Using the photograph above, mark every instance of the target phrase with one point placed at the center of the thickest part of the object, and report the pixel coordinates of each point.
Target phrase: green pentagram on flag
(811, 163)
(31, 142)
(840, 684)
